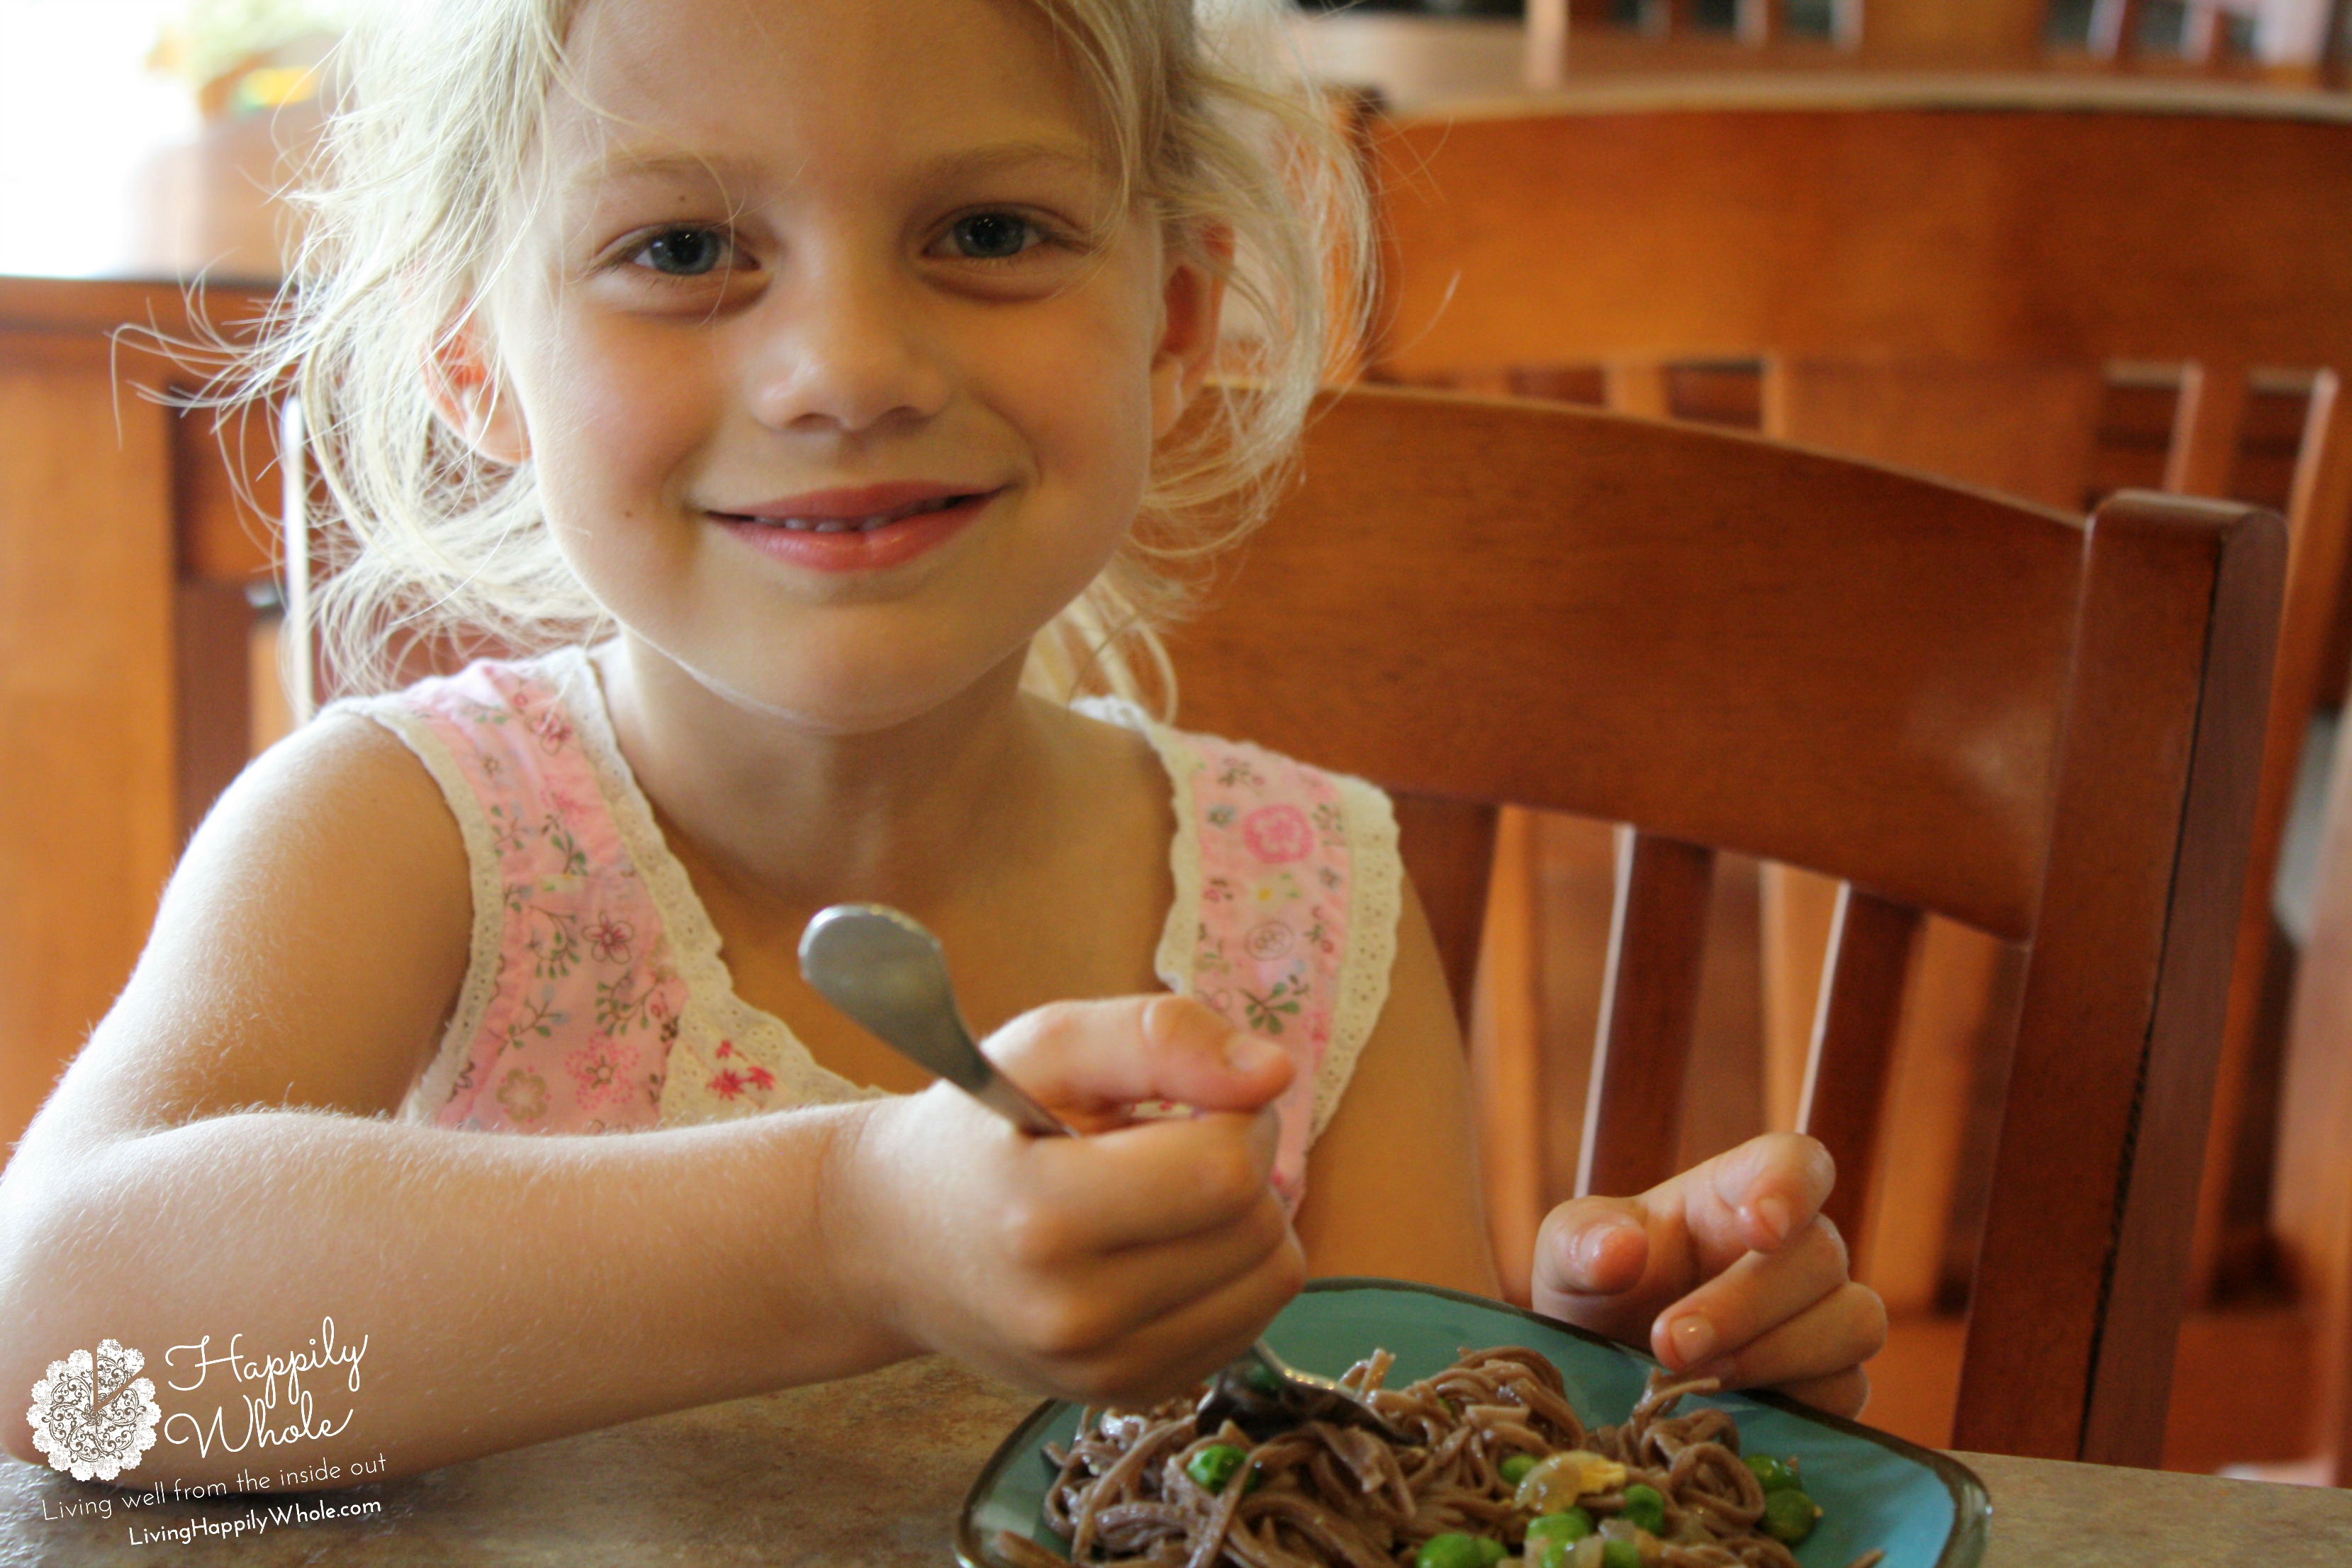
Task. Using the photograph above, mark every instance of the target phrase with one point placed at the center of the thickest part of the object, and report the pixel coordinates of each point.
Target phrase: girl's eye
(993, 236)
(685, 252)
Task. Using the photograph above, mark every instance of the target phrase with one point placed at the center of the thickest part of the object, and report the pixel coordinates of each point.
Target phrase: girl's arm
(1392, 1183)
(217, 1164)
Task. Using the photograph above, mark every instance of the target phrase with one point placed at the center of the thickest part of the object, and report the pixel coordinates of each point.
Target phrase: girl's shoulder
(1288, 891)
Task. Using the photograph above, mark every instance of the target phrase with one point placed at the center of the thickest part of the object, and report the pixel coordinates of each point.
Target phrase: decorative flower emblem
(1268, 940)
(94, 1416)
(609, 939)
(554, 730)
(524, 1093)
(600, 1067)
(1277, 833)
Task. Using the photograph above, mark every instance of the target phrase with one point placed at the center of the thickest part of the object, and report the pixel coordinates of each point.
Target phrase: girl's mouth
(838, 533)
(853, 524)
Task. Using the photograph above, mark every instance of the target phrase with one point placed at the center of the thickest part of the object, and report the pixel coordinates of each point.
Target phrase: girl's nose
(849, 352)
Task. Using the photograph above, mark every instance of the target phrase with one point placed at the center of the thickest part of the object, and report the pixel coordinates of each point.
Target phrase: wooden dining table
(873, 1470)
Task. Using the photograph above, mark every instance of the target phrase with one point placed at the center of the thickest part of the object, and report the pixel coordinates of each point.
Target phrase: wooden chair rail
(1869, 959)
(1673, 662)
(1656, 939)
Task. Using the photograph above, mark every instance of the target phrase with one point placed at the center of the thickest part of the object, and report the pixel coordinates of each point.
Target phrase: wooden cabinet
(125, 556)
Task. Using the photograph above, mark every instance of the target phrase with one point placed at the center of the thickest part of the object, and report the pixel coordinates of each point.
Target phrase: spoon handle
(1010, 1101)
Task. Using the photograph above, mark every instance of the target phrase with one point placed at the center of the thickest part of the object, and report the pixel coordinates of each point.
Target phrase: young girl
(820, 387)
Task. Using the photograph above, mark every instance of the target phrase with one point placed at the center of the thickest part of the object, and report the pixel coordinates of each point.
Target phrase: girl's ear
(1192, 305)
(462, 379)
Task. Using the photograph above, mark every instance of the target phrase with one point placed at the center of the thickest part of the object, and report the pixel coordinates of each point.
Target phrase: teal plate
(1921, 1508)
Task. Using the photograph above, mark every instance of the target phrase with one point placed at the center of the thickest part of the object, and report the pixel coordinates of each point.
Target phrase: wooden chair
(1953, 703)
(2314, 1190)
(1918, 232)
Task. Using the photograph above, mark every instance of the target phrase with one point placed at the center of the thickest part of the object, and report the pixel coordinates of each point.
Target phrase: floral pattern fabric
(597, 1000)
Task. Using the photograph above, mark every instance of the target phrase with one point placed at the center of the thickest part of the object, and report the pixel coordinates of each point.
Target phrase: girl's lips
(873, 549)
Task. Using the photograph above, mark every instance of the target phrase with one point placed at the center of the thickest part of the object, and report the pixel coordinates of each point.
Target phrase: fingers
(1747, 1301)
(1592, 1247)
(1170, 1354)
(1833, 1336)
(1151, 1323)
(1154, 1182)
(1754, 1197)
(1842, 1393)
(1094, 1057)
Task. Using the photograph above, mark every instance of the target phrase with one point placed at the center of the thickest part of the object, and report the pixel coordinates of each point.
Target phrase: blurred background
(2055, 247)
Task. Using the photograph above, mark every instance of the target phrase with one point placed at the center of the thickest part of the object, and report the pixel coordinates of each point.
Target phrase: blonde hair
(411, 203)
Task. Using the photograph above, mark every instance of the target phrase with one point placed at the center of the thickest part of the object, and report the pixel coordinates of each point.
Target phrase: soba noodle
(1332, 1497)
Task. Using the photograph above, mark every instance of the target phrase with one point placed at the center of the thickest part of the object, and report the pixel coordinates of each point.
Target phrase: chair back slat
(2315, 1182)
(2109, 1085)
(1620, 618)
(1853, 1042)
(2318, 541)
(1448, 849)
(1649, 1003)
(2209, 424)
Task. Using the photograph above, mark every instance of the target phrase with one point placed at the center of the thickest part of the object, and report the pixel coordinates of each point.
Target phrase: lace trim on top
(1172, 961)
(717, 1020)
(1375, 895)
(482, 963)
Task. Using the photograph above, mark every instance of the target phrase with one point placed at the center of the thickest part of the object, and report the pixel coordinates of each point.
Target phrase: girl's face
(839, 366)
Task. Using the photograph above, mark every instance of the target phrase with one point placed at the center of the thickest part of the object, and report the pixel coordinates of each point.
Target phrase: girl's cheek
(624, 407)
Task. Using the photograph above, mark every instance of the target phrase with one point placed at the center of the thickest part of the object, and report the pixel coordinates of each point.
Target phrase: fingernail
(1693, 1337)
(1592, 1244)
(1719, 1369)
(1247, 1053)
(1774, 1213)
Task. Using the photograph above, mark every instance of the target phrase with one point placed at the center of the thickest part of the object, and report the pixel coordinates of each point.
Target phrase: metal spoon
(883, 969)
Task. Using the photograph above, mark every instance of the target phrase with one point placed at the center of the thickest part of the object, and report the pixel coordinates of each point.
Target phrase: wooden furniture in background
(1568, 40)
(1953, 703)
(2296, 41)
(1946, 238)
(1562, 33)
(2314, 1187)
(123, 704)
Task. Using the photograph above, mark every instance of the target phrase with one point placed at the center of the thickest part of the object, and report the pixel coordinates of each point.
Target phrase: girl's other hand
(1120, 1266)
(1727, 1270)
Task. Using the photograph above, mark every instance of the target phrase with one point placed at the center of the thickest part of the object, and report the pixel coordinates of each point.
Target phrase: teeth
(863, 524)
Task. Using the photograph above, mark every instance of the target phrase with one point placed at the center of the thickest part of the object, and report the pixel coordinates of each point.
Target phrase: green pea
(1619, 1554)
(1775, 1475)
(1514, 1468)
(1550, 1536)
(1452, 1550)
(1260, 1376)
(1490, 1551)
(1788, 1515)
(1646, 1507)
(1213, 1465)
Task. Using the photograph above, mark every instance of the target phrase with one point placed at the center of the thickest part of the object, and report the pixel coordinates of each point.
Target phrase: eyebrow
(632, 162)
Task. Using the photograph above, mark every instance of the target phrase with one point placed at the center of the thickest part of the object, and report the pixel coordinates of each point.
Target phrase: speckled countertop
(870, 1471)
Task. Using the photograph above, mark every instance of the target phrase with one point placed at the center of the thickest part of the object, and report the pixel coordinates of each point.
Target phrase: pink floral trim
(577, 1032)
